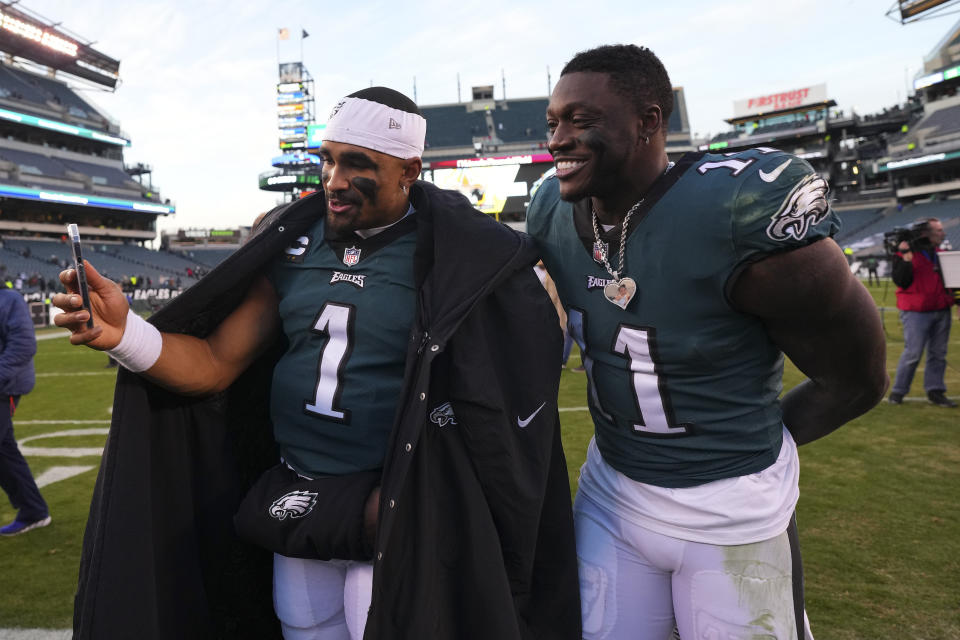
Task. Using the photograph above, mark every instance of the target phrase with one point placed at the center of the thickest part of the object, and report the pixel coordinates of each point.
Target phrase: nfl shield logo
(351, 256)
(599, 251)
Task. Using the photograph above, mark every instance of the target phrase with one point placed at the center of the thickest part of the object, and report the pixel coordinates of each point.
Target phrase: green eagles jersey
(347, 309)
(683, 389)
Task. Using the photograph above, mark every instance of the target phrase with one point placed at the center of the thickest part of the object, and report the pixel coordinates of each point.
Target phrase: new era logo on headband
(336, 108)
(394, 124)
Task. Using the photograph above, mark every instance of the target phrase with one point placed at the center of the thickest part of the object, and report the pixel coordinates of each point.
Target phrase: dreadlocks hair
(636, 74)
(388, 98)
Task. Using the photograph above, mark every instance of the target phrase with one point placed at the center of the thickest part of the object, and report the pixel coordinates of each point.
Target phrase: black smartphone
(74, 235)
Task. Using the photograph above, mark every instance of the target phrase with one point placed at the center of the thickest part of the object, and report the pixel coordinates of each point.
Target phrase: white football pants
(321, 600)
(634, 583)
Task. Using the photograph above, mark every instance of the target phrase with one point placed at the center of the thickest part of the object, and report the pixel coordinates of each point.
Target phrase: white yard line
(35, 634)
(63, 452)
(56, 474)
(19, 422)
(108, 372)
(51, 336)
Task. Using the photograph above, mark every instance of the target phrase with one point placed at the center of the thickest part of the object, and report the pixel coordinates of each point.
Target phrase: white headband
(376, 126)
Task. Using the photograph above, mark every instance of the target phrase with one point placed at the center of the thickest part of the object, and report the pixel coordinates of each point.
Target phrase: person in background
(872, 264)
(18, 344)
(924, 303)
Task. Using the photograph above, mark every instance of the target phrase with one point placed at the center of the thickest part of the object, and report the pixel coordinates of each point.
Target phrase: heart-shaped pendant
(620, 292)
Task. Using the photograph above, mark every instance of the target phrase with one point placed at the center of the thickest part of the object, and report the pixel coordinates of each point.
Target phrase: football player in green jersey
(390, 308)
(691, 281)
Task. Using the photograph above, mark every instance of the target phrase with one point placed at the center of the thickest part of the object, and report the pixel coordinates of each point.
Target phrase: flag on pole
(283, 34)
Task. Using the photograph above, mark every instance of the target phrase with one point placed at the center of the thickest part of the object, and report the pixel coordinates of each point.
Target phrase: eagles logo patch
(443, 415)
(805, 207)
(295, 504)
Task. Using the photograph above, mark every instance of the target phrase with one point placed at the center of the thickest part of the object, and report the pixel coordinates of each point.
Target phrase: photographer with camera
(924, 303)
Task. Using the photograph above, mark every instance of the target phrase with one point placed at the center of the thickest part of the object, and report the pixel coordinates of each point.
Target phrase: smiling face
(595, 136)
(364, 188)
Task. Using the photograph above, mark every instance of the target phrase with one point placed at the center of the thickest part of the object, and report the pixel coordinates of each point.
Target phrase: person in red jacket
(924, 303)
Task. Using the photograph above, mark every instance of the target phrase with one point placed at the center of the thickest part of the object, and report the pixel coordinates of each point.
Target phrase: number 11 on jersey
(634, 343)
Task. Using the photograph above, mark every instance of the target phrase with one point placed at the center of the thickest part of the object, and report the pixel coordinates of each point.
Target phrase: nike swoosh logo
(524, 423)
(773, 175)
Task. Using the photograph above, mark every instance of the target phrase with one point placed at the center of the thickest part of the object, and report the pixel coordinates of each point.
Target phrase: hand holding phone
(74, 235)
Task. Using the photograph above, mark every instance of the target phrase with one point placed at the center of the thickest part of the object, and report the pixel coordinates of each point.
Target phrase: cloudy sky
(197, 97)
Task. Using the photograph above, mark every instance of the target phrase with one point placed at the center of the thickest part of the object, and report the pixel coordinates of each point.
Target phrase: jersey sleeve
(538, 212)
(781, 205)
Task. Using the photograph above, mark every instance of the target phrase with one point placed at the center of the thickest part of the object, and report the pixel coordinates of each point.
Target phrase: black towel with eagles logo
(291, 515)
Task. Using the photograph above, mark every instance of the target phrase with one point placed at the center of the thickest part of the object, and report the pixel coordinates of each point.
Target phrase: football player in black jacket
(413, 405)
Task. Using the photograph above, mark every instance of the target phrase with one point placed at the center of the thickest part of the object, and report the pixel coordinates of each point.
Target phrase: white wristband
(140, 345)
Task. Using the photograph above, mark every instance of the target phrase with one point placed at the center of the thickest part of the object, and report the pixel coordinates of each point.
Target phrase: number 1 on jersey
(635, 345)
(334, 321)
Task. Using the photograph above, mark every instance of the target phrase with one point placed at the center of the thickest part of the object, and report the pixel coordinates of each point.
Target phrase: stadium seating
(452, 126)
(871, 233)
(45, 259)
(60, 94)
(34, 163)
(31, 164)
(112, 176)
(56, 167)
(876, 229)
(13, 85)
(46, 92)
(942, 121)
(209, 257)
(149, 263)
(853, 221)
(521, 120)
(117, 261)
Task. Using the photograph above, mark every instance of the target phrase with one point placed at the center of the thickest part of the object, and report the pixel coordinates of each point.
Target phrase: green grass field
(878, 515)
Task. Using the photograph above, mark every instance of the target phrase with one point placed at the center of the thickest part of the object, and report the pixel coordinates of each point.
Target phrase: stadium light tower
(297, 171)
(907, 11)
